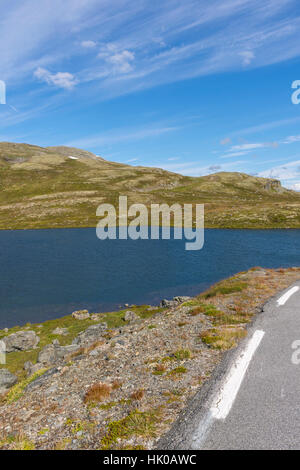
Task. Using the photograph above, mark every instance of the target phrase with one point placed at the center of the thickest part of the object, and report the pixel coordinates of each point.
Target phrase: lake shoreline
(152, 364)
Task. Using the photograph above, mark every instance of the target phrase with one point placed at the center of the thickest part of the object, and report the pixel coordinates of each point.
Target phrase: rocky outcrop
(81, 314)
(7, 380)
(21, 341)
(91, 334)
(53, 353)
(174, 302)
(273, 185)
(131, 317)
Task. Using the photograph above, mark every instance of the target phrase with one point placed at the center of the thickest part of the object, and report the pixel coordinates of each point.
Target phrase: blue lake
(46, 274)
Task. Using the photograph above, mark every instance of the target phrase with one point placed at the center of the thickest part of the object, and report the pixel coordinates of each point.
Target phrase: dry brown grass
(116, 384)
(138, 394)
(97, 392)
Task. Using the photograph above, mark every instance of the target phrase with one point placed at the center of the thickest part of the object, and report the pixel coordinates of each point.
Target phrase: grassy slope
(43, 188)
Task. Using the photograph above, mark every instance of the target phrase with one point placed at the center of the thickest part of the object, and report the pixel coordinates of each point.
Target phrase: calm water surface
(49, 273)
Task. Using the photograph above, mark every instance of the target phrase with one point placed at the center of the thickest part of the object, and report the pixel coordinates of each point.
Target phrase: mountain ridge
(59, 186)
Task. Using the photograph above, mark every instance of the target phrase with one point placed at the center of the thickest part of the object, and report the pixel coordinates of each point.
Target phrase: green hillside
(62, 187)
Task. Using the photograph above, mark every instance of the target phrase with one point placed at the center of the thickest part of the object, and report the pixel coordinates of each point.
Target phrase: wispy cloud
(120, 135)
(247, 57)
(144, 45)
(288, 171)
(192, 168)
(60, 79)
(88, 44)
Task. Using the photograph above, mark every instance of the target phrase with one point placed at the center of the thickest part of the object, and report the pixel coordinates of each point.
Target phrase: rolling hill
(63, 186)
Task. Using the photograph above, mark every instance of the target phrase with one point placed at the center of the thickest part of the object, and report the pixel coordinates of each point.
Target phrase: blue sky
(191, 86)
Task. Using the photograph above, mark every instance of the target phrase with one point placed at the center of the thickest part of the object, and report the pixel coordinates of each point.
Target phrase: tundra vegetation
(45, 188)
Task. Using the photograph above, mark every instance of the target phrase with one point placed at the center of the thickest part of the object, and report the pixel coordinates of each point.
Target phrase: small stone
(60, 331)
(94, 317)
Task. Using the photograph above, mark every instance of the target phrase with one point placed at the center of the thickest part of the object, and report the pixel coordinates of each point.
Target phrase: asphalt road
(259, 401)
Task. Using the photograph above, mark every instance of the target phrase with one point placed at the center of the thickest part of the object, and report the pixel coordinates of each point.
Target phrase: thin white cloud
(118, 61)
(88, 44)
(60, 79)
(234, 154)
(248, 146)
(120, 135)
(295, 186)
(292, 139)
(193, 168)
(286, 171)
(225, 141)
(247, 57)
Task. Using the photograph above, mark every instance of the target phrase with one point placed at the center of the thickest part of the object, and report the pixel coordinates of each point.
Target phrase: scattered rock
(21, 341)
(91, 334)
(48, 355)
(60, 331)
(32, 368)
(131, 316)
(42, 379)
(174, 302)
(181, 298)
(81, 314)
(168, 303)
(7, 380)
(53, 353)
(94, 316)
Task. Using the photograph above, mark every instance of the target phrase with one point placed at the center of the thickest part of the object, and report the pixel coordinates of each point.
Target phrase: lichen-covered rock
(32, 368)
(7, 380)
(21, 341)
(91, 334)
(174, 302)
(53, 353)
(81, 314)
(131, 316)
(181, 298)
(60, 331)
(168, 303)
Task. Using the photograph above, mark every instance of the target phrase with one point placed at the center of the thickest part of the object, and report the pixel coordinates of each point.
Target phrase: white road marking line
(282, 300)
(223, 401)
(225, 398)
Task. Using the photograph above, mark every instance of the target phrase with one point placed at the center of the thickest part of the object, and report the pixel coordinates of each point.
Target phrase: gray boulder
(7, 380)
(53, 353)
(21, 341)
(81, 314)
(174, 302)
(91, 334)
(168, 303)
(181, 298)
(131, 316)
(32, 368)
